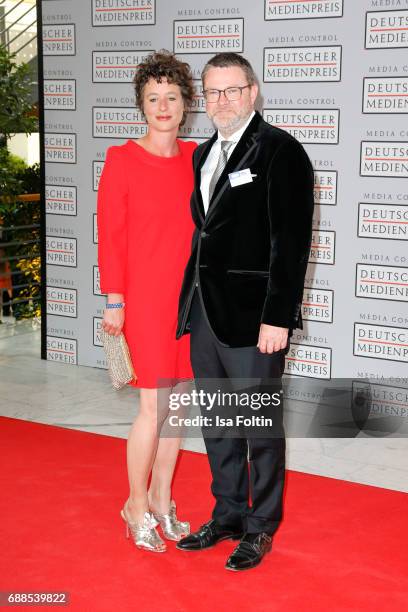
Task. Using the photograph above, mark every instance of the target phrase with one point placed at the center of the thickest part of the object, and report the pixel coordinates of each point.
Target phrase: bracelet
(116, 305)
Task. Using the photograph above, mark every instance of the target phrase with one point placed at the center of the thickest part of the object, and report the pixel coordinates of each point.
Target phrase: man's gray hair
(224, 60)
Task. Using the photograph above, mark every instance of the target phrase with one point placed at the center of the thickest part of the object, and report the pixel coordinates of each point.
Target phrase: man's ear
(254, 92)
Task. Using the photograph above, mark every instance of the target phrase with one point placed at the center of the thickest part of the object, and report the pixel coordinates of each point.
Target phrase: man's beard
(232, 124)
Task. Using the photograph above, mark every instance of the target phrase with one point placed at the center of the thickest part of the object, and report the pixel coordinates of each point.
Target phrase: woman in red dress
(144, 239)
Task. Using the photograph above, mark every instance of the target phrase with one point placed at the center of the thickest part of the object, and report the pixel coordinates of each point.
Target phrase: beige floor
(81, 398)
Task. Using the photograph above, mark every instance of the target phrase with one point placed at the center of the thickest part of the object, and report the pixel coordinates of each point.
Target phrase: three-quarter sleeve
(112, 223)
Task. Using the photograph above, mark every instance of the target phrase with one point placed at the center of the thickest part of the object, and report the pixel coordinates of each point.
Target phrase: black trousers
(242, 467)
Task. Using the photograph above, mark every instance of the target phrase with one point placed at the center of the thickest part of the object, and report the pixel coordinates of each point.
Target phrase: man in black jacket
(241, 297)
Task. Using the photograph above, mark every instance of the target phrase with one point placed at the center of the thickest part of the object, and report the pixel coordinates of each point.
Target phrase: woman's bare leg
(162, 474)
(141, 452)
(166, 457)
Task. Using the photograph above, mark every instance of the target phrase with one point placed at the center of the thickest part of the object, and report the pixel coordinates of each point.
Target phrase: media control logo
(197, 127)
(59, 39)
(118, 122)
(309, 126)
(96, 281)
(385, 95)
(123, 12)
(382, 282)
(97, 328)
(302, 64)
(308, 361)
(302, 9)
(64, 350)
(388, 159)
(59, 94)
(325, 187)
(386, 221)
(61, 251)
(60, 148)
(317, 305)
(385, 400)
(62, 301)
(386, 29)
(322, 249)
(97, 167)
(116, 66)
(208, 36)
(61, 200)
(381, 342)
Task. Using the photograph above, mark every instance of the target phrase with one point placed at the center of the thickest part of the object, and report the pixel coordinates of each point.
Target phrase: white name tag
(240, 178)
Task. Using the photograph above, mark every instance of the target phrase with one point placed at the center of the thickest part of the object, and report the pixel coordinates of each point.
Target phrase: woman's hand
(113, 318)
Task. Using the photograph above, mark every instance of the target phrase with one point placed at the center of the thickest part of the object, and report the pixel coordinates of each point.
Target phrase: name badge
(240, 178)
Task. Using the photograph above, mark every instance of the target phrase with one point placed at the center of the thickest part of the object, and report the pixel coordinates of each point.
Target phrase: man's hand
(272, 339)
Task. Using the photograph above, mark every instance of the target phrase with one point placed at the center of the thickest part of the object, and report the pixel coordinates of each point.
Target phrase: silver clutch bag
(120, 365)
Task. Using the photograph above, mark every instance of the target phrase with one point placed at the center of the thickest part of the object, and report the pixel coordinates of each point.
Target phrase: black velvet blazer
(250, 251)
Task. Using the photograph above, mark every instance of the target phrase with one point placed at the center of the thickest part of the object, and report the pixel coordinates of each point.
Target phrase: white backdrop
(333, 73)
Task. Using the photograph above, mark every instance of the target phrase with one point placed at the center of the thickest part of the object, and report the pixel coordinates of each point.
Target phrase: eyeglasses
(231, 93)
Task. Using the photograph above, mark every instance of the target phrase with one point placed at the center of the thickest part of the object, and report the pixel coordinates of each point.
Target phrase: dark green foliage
(16, 110)
(17, 115)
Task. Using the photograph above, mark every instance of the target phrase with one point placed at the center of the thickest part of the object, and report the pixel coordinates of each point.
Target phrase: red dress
(144, 242)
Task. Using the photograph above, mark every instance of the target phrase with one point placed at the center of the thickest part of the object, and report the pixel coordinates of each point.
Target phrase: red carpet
(341, 546)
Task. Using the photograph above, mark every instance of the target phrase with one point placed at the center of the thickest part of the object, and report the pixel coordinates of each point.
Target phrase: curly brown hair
(164, 64)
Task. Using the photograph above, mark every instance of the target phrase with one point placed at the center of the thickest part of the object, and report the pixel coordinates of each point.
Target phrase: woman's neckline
(153, 155)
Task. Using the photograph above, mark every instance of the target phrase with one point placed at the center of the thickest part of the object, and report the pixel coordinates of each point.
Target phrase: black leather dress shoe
(207, 536)
(249, 552)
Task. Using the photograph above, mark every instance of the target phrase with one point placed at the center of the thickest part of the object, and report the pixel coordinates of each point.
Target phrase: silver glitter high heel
(144, 536)
(172, 528)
